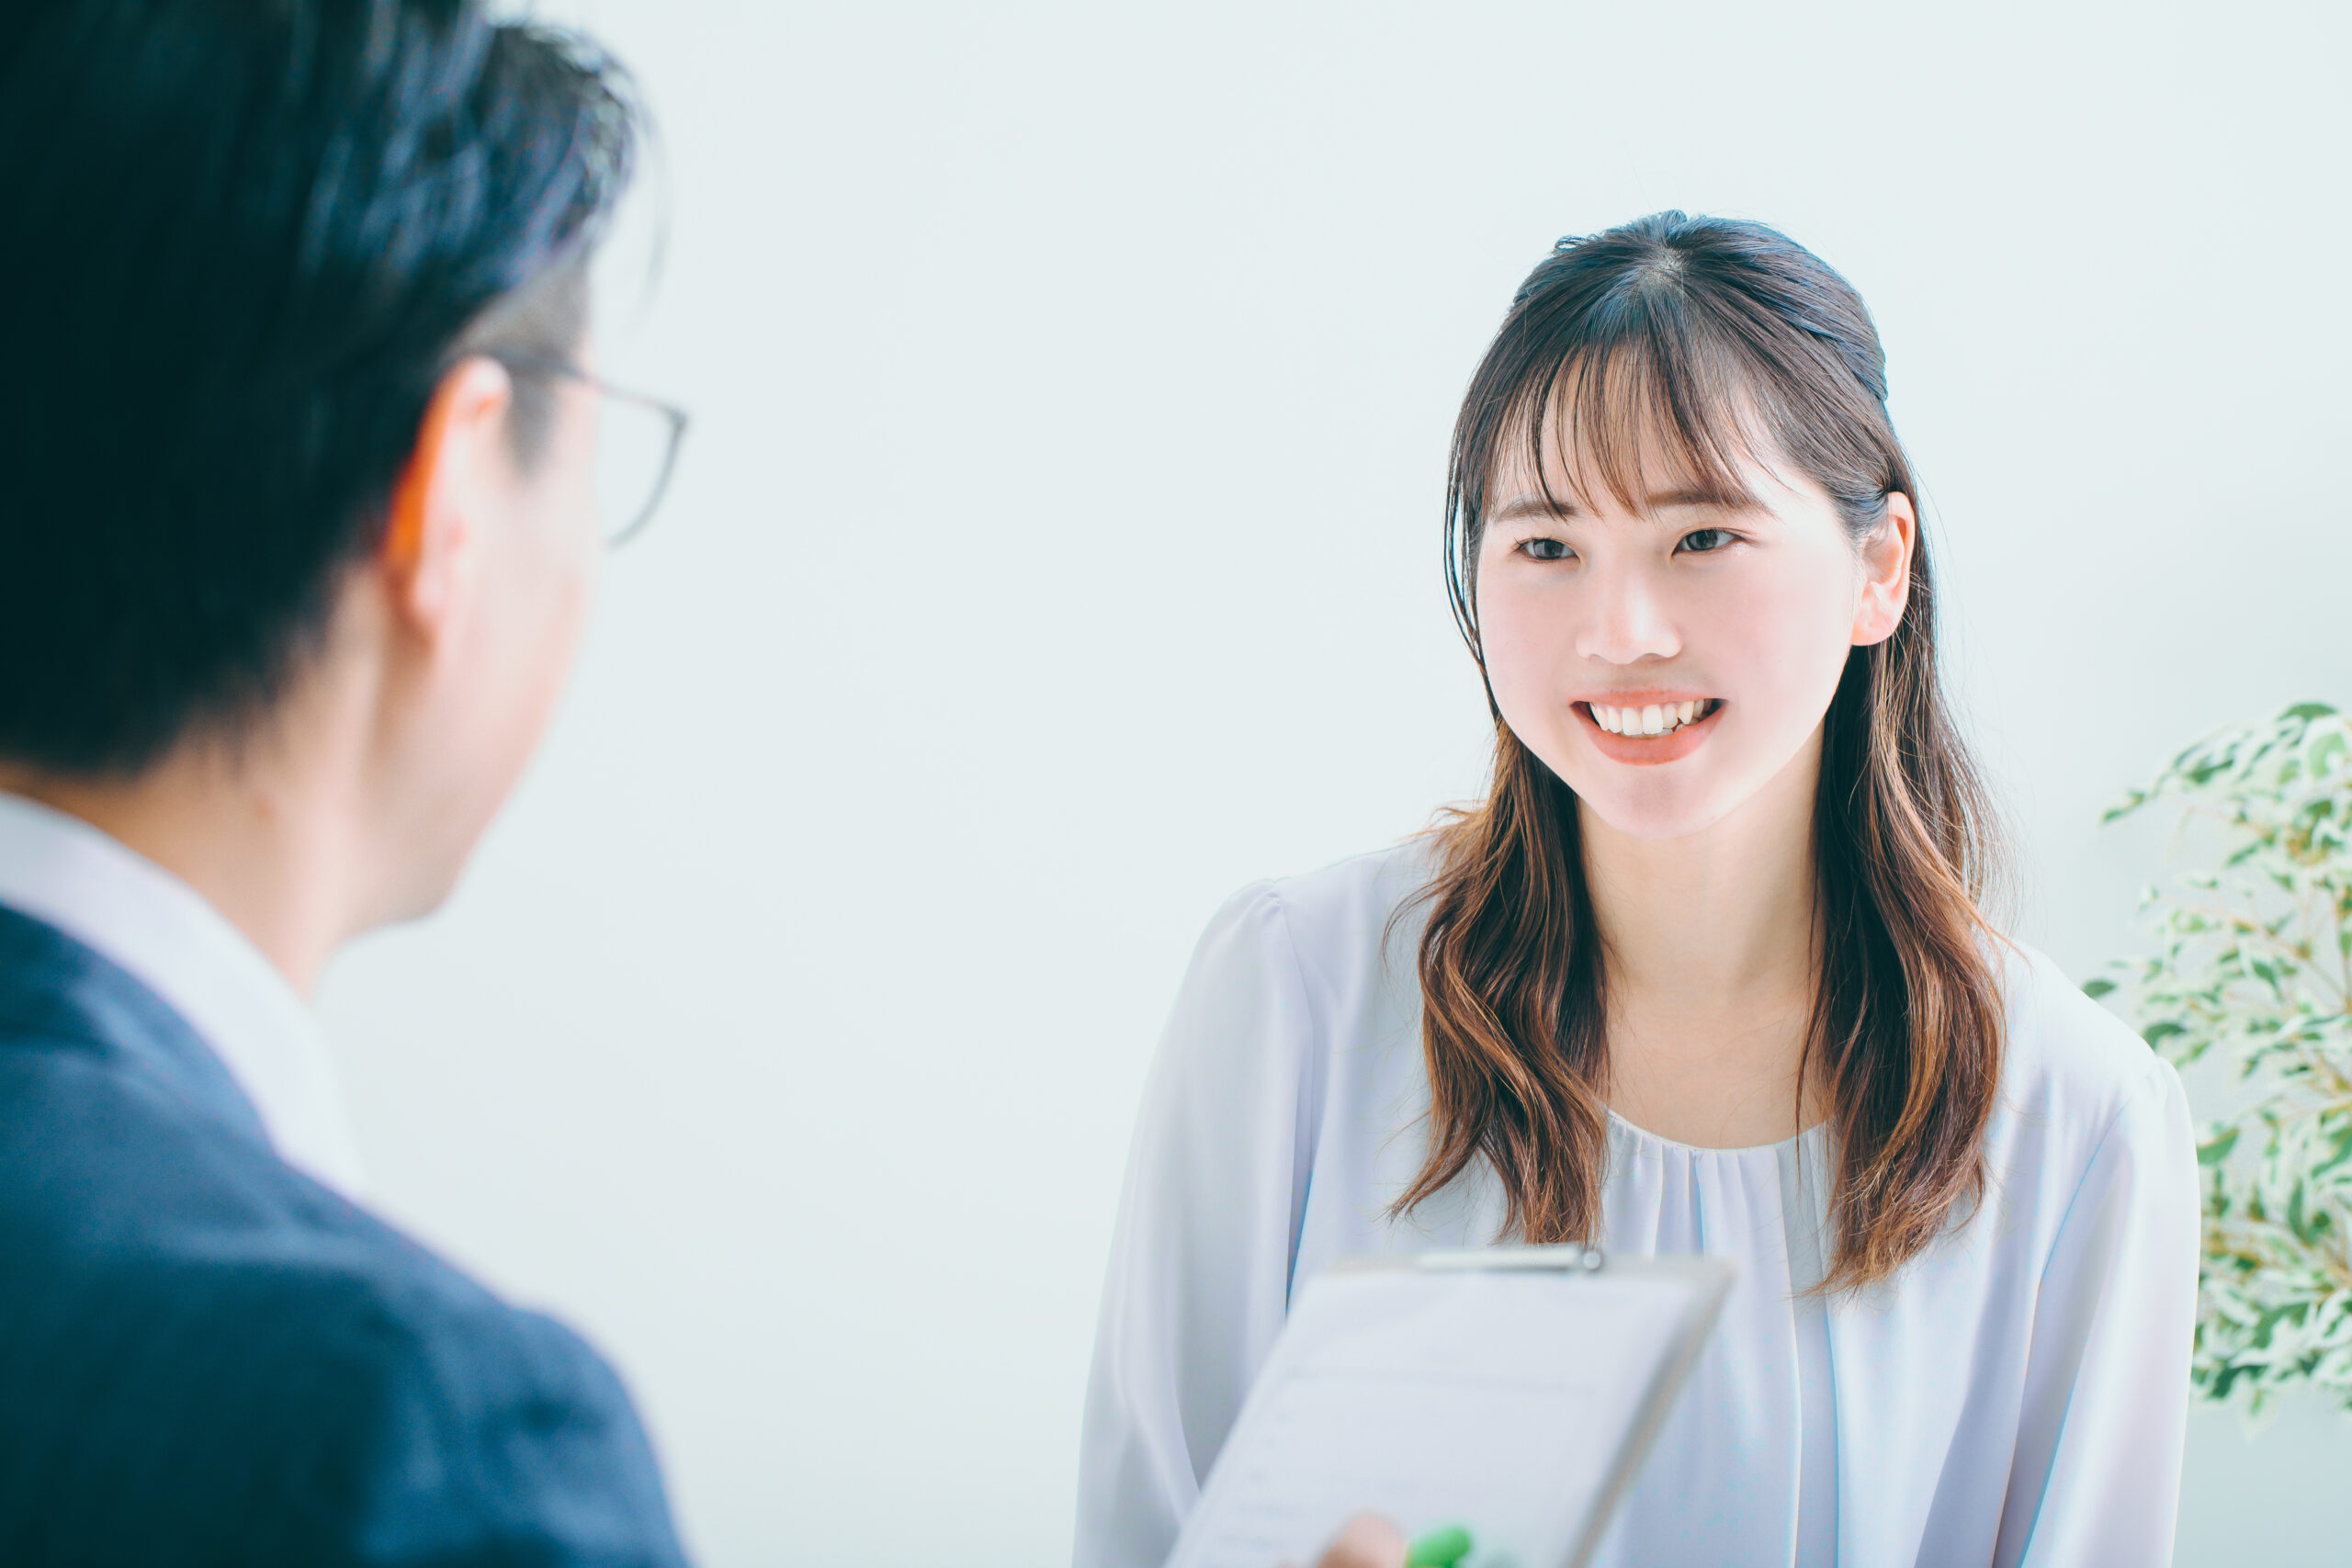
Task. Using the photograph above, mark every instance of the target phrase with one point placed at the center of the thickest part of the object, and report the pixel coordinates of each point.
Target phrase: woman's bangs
(1646, 420)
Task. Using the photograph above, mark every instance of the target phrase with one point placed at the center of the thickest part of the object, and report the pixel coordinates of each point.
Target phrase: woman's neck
(1710, 948)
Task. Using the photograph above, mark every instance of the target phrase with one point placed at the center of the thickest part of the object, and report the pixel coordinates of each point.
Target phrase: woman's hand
(1365, 1541)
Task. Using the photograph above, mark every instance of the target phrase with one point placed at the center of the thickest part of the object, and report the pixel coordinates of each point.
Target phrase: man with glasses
(308, 481)
(305, 492)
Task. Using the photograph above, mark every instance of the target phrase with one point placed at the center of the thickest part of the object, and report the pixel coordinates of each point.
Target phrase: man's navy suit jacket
(207, 1358)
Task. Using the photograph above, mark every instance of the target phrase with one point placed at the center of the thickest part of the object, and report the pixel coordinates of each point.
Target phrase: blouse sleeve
(1199, 1277)
(2095, 1476)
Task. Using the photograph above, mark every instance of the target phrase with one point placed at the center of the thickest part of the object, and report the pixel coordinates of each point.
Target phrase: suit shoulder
(263, 1351)
(134, 1221)
(121, 1217)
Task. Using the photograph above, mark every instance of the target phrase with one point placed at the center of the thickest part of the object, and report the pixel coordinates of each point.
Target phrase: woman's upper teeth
(1655, 719)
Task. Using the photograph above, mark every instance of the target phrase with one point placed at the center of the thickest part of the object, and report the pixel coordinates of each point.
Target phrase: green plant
(2254, 966)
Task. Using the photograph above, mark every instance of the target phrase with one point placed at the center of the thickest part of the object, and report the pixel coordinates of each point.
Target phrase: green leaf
(2097, 988)
(2218, 1150)
(2297, 1220)
(2132, 800)
(2308, 711)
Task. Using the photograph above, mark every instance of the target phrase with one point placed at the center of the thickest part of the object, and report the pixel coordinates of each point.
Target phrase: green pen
(1439, 1547)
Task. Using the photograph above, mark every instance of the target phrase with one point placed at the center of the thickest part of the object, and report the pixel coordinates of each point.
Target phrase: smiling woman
(1705, 971)
(1707, 503)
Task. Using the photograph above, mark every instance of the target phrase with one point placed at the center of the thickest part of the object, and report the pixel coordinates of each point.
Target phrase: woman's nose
(1626, 619)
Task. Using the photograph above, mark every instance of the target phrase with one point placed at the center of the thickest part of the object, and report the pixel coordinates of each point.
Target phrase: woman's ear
(427, 555)
(1886, 572)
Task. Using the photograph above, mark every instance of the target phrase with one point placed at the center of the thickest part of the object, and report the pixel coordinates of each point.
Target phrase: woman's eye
(1544, 549)
(1700, 541)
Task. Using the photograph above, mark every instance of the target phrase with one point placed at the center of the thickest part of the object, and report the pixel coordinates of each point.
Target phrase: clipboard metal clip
(1558, 1260)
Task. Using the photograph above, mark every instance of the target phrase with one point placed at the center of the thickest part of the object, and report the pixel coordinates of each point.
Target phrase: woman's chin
(1649, 824)
(1652, 808)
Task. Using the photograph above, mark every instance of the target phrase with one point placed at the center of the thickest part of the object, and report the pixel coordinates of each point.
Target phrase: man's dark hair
(247, 238)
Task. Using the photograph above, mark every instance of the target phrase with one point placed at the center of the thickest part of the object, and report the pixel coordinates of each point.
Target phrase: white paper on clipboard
(1510, 1391)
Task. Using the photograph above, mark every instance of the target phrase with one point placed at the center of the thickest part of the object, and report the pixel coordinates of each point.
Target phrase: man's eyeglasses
(637, 446)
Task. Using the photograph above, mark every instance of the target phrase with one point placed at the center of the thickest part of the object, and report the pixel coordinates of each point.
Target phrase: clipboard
(1510, 1392)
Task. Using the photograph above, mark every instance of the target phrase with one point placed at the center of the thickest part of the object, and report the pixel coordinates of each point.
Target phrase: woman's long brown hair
(1697, 340)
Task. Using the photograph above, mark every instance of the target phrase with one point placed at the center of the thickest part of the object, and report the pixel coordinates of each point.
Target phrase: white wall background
(1057, 550)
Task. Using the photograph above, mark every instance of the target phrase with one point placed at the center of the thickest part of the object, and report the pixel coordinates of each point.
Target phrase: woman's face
(1670, 663)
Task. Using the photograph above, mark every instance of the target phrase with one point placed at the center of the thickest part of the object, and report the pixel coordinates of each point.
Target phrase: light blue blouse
(2017, 1395)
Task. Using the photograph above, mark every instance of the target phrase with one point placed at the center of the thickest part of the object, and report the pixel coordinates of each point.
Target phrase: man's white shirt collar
(61, 870)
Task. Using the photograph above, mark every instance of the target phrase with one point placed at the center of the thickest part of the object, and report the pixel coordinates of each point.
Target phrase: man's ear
(1886, 572)
(429, 548)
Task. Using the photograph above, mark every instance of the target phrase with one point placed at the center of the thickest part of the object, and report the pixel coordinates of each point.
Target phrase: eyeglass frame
(671, 413)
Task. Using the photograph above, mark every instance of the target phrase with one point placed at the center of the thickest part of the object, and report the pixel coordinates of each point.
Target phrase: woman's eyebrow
(1724, 500)
(1529, 505)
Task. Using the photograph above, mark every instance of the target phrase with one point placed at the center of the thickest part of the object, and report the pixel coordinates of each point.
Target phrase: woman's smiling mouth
(1652, 718)
(1648, 728)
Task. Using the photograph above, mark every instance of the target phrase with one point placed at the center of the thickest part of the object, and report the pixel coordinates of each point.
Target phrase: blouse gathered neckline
(1816, 1133)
